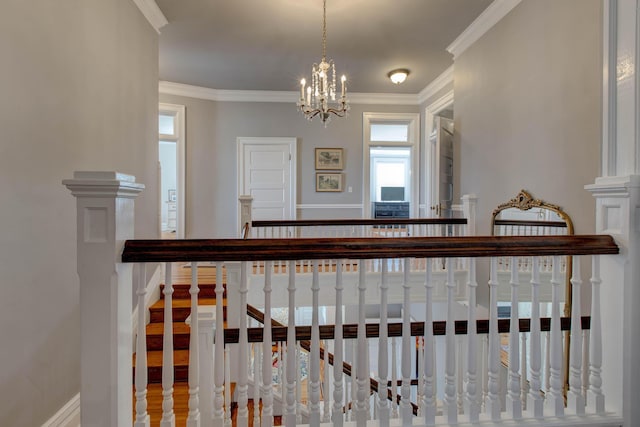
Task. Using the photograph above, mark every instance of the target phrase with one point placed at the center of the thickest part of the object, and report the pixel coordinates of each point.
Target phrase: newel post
(245, 213)
(469, 208)
(105, 218)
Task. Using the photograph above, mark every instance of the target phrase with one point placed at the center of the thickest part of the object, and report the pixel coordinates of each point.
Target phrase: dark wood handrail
(350, 331)
(527, 223)
(363, 248)
(358, 221)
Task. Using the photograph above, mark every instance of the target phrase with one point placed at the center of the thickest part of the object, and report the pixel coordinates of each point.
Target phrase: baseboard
(67, 416)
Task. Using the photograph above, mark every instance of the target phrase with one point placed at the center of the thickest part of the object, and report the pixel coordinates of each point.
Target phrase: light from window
(166, 124)
(389, 132)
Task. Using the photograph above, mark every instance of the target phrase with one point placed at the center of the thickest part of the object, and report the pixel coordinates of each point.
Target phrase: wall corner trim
(152, 12)
(67, 416)
(436, 85)
(483, 23)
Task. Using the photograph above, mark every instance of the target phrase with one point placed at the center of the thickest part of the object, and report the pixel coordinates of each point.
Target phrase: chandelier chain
(324, 30)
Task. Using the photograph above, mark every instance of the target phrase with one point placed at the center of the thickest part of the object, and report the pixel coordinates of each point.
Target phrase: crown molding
(436, 85)
(483, 23)
(152, 12)
(199, 92)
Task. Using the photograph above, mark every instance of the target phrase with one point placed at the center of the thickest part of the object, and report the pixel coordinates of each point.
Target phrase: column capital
(103, 184)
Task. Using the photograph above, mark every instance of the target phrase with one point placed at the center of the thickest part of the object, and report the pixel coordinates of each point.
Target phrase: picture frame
(329, 158)
(328, 181)
(172, 196)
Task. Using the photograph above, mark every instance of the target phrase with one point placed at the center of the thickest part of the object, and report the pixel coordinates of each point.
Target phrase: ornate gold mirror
(526, 216)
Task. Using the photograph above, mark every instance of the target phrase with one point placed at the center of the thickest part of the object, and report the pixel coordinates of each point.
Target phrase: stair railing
(449, 411)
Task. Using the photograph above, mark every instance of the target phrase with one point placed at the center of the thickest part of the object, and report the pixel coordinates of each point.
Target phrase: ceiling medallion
(315, 99)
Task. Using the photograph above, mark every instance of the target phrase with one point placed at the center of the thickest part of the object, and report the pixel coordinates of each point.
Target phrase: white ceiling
(271, 45)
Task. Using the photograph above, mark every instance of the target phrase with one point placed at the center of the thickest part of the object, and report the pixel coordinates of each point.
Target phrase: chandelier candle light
(322, 88)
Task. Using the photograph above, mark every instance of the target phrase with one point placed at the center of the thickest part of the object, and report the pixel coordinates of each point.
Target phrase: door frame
(413, 121)
(431, 153)
(178, 111)
(241, 141)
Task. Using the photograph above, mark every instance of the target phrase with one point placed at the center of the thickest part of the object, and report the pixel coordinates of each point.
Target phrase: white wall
(79, 88)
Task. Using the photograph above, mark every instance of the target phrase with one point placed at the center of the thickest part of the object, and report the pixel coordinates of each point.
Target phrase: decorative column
(617, 194)
(105, 219)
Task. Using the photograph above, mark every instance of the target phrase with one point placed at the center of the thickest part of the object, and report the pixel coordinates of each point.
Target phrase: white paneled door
(266, 172)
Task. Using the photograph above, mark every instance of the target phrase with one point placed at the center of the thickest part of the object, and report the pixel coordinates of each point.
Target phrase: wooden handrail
(364, 248)
(358, 221)
(527, 223)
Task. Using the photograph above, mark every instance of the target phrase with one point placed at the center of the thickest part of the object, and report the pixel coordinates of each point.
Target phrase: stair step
(181, 291)
(181, 309)
(154, 366)
(155, 333)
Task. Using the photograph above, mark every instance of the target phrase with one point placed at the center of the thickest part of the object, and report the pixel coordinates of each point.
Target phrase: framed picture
(329, 158)
(172, 195)
(328, 181)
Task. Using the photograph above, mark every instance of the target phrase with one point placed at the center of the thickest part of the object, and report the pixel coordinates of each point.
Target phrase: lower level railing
(456, 365)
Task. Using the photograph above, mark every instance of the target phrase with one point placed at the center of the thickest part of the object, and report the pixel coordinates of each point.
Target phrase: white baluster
(430, 400)
(267, 342)
(575, 399)
(460, 374)
(290, 402)
(298, 363)
(382, 403)
(420, 363)
(472, 408)
(243, 352)
(534, 397)
(218, 366)
(227, 388)
(595, 397)
(547, 362)
(524, 383)
(168, 416)
(314, 354)
(405, 403)
(554, 400)
(256, 384)
(193, 418)
(492, 404)
(485, 373)
(450, 405)
(338, 397)
(142, 416)
(394, 379)
(514, 399)
(585, 363)
(362, 376)
(326, 385)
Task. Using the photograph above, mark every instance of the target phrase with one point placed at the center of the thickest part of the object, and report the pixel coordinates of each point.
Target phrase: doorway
(267, 173)
(171, 158)
(390, 159)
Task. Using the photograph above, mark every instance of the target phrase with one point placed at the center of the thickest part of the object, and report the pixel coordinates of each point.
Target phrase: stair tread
(183, 303)
(154, 358)
(157, 328)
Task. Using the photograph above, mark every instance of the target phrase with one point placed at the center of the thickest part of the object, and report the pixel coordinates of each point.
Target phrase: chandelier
(319, 98)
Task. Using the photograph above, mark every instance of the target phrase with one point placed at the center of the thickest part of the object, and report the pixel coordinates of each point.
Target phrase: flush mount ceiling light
(399, 75)
(314, 99)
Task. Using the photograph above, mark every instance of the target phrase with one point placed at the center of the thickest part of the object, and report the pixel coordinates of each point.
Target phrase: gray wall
(527, 108)
(528, 112)
(212, 129)
(79, 88)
